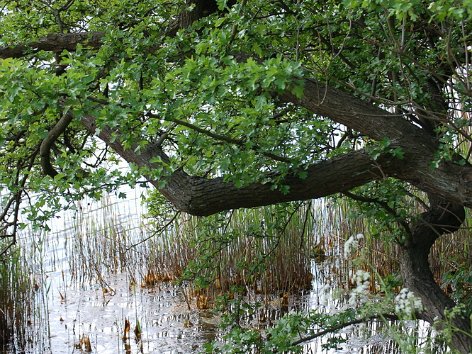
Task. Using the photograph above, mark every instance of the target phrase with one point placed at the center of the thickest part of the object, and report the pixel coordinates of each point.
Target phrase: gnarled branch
(48, 142)
(203, 196)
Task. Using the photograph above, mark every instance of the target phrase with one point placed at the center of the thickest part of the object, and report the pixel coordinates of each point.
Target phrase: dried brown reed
(257, 251)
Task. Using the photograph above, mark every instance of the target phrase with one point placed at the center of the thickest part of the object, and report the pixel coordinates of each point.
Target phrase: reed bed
(256, 251)
(266, 250)
(270, 250)
(16, 294)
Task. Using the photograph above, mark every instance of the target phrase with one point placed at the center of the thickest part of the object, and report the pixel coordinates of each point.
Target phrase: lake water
(84, 295)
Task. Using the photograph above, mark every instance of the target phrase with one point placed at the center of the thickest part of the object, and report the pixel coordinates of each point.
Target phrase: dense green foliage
(200, 87)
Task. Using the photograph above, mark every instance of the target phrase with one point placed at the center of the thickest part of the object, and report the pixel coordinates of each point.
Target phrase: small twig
(5, 250)
(382, 204)
(154, 233)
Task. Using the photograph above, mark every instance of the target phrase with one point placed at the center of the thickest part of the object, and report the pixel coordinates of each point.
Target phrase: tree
(231, 105)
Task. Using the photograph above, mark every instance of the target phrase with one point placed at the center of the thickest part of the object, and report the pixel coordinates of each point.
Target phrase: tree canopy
(230, 104)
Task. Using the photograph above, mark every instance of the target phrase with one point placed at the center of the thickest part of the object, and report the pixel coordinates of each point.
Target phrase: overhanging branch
(318, 97)
(351, 111)
(203, 196)
(57, 42)
(54, 42)
(384, 205)
(321, 99)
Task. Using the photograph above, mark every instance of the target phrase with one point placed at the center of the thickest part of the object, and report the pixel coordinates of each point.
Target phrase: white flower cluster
(351, 244)
(406, 303)
(358, 295)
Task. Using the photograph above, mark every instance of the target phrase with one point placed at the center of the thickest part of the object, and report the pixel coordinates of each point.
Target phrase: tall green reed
(16, 298)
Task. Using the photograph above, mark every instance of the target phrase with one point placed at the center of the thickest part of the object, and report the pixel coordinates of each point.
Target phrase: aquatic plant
(258, 251)
(16, 300)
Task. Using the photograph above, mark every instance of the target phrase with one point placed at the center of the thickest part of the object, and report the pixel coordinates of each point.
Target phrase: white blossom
(351, 244)
(406, 303)
(358, 295)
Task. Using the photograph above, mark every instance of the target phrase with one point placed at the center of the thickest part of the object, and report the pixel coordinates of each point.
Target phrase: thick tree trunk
(417, 275)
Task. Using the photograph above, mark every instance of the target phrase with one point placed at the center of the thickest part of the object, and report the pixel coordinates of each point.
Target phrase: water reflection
(163, 316)
(86, 294)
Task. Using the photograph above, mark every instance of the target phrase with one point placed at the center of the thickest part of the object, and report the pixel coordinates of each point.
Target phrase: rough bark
(450, 181)
(377, 123)
(443, 218)
(204, 196)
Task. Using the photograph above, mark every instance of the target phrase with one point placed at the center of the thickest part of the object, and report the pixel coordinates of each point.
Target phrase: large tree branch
(353, 112)
(54, 42)
(57, 42)
(203, 196)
